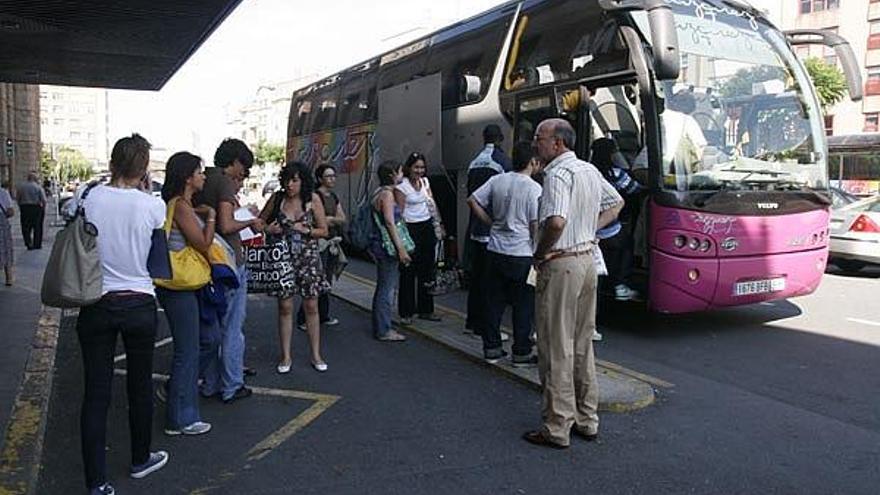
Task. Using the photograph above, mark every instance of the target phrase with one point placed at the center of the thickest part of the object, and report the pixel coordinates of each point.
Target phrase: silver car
(855, 234)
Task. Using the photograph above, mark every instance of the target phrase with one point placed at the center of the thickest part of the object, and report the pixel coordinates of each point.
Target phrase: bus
(705, 98)
(854, 163)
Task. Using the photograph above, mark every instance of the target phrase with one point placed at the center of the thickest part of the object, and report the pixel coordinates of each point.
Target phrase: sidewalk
(621, 389)
(26, 359)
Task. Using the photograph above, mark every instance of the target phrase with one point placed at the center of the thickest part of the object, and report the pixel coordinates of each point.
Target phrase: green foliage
(68, 164)
(265, 152)
(740, 84)
(828, 80)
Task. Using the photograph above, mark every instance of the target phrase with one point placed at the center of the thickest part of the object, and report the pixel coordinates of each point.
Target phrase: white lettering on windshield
(713, 224)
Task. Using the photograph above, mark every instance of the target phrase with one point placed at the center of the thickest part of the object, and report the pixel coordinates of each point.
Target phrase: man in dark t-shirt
(224, 374)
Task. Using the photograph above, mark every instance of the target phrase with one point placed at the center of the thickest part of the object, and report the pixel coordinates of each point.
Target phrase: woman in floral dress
(297, 214)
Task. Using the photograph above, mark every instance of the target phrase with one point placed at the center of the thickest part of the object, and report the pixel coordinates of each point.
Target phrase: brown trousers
(566, 319)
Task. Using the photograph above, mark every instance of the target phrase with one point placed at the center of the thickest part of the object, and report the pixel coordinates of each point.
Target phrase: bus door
(562, 102)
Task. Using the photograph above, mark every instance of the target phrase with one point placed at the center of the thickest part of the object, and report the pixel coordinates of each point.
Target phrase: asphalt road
(776, 398)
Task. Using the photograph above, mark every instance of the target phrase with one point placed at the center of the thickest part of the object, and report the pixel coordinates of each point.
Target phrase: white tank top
(416, 208)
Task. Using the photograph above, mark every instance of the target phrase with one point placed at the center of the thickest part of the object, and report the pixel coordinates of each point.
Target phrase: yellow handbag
(189, 269)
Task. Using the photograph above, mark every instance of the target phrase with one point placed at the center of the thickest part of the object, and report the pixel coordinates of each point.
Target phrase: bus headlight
(680, 241)
(694, 243)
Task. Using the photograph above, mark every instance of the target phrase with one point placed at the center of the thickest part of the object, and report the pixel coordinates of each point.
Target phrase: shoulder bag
(73, 276)
(189, 269)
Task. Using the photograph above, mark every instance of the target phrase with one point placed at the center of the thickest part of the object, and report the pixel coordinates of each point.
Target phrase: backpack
(362, 229)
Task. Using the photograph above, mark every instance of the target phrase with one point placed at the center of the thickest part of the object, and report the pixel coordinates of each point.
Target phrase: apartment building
(76, 118)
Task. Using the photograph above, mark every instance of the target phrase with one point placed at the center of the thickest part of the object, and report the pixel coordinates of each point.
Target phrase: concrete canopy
(123, 44)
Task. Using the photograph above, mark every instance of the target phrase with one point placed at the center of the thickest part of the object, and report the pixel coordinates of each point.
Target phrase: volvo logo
(729, 244)
(768, 206)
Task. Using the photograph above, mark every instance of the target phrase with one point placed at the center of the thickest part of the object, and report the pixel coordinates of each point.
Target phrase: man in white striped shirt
(575, 203)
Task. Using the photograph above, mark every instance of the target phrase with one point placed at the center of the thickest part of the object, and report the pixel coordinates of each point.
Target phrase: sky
(268, 41)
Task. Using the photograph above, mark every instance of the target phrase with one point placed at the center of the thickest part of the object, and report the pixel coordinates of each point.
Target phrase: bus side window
(466, 63)
(302, 112)
(406, 69)
(358, 101)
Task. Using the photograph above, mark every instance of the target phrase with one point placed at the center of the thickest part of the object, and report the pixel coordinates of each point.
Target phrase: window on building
(57, 108)
(808, 6)
(829, 125)
(872, 122)
(44, 121)
(872, 82)
(873, 35)
(803, 52)
(75, 135)
(57, 121)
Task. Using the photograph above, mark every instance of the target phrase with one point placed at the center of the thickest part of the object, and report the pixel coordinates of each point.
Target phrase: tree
(68, 164)
(829, 82)
(740, 84)
(265, 152)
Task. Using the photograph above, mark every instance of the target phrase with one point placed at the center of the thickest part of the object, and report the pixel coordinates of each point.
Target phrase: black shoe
(492, 357)
(248, 371)
(430, 317)
(527, 361)
(590, 437)
(241, 393)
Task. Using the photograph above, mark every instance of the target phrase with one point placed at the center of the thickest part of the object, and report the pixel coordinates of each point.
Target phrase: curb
(23, 440)
(623, 390)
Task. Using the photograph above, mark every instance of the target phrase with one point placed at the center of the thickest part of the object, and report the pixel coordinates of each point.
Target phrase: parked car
(855, 234)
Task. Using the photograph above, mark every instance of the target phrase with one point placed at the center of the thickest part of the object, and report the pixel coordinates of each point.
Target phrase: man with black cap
(489, 162)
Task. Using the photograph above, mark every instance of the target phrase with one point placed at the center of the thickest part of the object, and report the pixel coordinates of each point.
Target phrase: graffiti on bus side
(349, 149)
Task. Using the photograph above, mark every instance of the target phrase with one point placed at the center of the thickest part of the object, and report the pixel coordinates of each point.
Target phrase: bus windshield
(742, 115)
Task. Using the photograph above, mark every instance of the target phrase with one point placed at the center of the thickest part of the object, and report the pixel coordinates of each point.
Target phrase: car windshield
(742, 114)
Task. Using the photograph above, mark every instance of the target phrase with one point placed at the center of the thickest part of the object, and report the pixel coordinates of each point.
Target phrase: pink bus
(705, 99)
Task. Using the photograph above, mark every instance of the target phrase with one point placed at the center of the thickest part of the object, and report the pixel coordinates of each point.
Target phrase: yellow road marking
(264, 447)
(653, 380)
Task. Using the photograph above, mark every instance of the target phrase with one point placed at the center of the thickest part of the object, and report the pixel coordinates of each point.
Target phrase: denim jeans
(224, 371)
(383, 298)
(182, 311)
(506, 284)
(133, 316)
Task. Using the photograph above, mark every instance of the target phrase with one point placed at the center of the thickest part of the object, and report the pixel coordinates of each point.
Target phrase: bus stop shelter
(135, 44)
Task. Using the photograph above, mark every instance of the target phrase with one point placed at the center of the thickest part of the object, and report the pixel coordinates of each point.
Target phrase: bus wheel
(849, 266)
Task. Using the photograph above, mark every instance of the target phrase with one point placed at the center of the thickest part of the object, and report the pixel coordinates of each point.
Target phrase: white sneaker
(332, 322)
(597, 337)
(504, 337)
(196, 428)
(624, 293)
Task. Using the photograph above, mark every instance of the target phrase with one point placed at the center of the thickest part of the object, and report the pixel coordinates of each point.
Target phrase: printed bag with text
(269, 266)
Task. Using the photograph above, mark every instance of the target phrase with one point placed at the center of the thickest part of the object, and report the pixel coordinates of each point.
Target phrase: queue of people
(538, 257)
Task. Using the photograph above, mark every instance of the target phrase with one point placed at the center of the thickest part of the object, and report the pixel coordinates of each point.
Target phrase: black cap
(492, 134)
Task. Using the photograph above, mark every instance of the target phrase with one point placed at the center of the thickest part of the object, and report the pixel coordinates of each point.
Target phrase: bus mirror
(664, 38)
(841, 48)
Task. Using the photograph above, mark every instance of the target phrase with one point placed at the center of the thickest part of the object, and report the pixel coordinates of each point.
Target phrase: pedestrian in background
(7, 211)
(514, 216)
(224, 373)
(297, 214)
(125, 218)
(325, 177)
(413, 196)
(489, 162)
(183, 178)
(32, 204)
(575, 203)
(384, 206)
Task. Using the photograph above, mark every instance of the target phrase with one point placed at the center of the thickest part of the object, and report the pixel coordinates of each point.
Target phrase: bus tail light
(864, 224)
(693, 275)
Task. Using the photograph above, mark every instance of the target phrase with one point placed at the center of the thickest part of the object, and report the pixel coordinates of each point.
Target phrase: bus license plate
(759, 287)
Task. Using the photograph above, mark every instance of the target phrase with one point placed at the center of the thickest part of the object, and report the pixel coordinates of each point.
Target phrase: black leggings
(416, 279)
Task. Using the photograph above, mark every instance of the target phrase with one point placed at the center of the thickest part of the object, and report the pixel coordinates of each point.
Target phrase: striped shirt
(576, 191)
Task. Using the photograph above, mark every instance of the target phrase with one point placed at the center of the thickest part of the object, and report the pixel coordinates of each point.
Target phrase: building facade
(76, 118)
(264, 117)
(20, 123)
(859, 22)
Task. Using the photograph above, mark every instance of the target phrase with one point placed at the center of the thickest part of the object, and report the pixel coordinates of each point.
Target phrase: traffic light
(9, 147)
